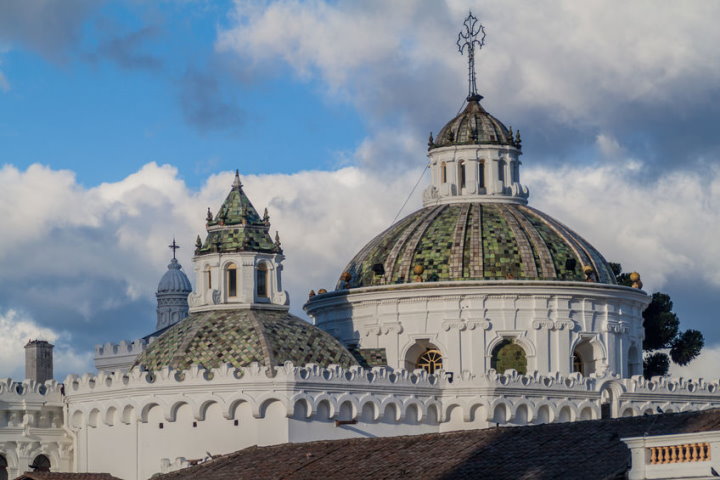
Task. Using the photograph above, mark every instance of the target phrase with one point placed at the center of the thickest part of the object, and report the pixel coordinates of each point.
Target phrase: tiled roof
(589, 450)
(369, 357)
(237, 226)
(474, 126)
(475, 241)
(240, 337)
(65, 476)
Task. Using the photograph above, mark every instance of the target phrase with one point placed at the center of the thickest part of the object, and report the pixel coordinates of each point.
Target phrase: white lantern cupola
(238, 265)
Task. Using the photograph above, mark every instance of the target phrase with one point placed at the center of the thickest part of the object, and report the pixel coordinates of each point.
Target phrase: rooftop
(584, 450)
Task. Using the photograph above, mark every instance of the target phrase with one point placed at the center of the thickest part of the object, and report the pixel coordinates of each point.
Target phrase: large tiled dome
(240, 337)
(476, 241)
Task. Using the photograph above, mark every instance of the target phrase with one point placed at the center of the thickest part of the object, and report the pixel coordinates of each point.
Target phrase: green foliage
(661, 324)
(662, 331)
(621, 278)
(656, 364)
(686, 347)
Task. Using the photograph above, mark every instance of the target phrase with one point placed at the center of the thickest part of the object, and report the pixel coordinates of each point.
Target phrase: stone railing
(687, 452)
(687, 455)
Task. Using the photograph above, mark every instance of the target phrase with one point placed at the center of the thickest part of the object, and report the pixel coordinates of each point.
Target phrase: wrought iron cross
(174, 246)
(473, 35)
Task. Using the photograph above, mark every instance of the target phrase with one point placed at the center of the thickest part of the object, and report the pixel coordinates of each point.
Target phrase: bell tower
(474, 156)
(239, 264)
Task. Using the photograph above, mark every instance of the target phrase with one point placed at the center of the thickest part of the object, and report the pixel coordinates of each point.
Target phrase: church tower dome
(172, 294)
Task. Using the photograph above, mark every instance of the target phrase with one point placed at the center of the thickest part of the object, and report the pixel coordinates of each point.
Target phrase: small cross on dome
(173, 246)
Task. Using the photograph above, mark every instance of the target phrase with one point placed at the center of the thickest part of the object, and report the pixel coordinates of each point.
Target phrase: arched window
(584, 358)
(443, 172)
(635, 366)
(430, 360)
(508, 355)
(501, 170)
(41, 464)
(461, 174)
(231, 274)
(208, 278)
(515, 172)
(3, 468)
(261, 280)
(481, 174)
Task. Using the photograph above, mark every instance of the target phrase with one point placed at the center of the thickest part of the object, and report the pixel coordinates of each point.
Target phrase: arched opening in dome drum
(583, 358)
(430, 360)
(40, 464)
(481, 174)
(501, 170)
(231, 280)
(461, 175)
(208, 278)
(443, 172)
(508, 355)
(261, 280)
(424, 355)
(3, 468)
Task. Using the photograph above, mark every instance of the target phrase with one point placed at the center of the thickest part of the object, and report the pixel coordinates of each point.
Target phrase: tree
(662, 332)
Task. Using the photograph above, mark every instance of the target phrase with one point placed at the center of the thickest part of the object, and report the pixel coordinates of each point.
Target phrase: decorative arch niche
(424, 355)
(508, 355)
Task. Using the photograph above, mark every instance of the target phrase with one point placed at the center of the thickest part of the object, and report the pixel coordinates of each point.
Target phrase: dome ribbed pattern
(474, 126)
(475, 241)
(174, 280)
(241, 337)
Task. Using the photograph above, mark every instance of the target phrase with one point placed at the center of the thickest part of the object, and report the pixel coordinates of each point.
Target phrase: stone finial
(209, 216)
(431, 141)
(198, 242)
(266, 218)
(589, 272)
(237, 184)
(518, 140)
(277, 239)
(635, 279)
(511, 135)
(418, 271)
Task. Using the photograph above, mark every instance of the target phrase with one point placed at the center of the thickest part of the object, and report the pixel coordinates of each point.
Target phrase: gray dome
(174, 280)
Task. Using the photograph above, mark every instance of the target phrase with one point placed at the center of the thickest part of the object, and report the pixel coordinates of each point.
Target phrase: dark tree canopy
(662, 332)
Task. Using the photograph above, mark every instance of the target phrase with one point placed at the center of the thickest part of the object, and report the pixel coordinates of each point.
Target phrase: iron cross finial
(174, 246)
(473, 35)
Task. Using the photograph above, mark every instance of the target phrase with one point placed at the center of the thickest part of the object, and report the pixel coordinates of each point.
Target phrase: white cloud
(666, 229)
(17, 329)
(578, 59)
(705, 366)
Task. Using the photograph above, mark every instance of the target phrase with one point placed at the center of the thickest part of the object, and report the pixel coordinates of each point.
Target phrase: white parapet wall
(159, 420)
(31, 424)
(121, 356)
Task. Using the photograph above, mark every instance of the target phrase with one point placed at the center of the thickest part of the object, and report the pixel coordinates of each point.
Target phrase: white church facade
(474, 311)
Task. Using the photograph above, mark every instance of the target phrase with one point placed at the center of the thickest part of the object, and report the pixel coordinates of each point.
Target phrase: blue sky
(145, 84)
(121, 122)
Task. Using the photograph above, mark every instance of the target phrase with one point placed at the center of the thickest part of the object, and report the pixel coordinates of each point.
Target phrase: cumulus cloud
(17, 329)
(563, 71)
(705, 366)
(87, 260)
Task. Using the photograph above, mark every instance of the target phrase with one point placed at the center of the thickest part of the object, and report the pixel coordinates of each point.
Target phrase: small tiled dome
(476, 241)
(474, 126)
(174, 280)
(243, 336)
